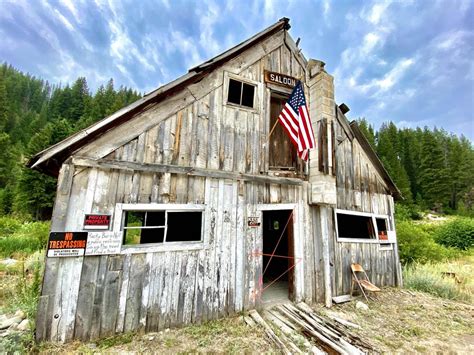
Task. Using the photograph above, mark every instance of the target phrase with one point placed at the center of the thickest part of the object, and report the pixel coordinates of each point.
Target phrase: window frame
(119, 224)
(373, 216)
(255, 84)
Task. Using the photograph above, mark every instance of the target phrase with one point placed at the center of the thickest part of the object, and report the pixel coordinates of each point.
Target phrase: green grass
(18, 240)
(450, 280)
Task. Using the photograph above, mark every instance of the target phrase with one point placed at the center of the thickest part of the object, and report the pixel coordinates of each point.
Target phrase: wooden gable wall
(360, 188)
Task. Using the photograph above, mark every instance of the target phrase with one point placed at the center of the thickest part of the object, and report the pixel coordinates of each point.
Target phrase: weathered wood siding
(140, 290)
(359, 188)
(95, 296)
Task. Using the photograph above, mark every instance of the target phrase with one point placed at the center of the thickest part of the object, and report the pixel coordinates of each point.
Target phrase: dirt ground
(399, 321)
(404, 321)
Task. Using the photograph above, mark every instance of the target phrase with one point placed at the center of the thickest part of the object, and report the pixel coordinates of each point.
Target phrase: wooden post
(327, 267)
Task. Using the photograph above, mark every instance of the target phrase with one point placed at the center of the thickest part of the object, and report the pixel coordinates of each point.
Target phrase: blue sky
(411, 62)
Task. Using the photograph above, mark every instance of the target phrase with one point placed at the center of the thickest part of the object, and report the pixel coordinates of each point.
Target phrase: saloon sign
(280, 79)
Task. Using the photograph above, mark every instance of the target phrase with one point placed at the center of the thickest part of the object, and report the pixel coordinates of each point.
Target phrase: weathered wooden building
(183, 195)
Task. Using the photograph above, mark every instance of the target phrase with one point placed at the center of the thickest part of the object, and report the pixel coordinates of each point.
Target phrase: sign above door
(280, 79)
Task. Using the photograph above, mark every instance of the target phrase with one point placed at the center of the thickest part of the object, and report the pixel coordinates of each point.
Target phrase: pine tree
(80, 99)
(434, 177)
(388, 149)
(3, 105)
(368, 131)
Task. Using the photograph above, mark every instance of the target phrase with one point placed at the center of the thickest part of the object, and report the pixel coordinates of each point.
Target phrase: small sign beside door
(253, 222)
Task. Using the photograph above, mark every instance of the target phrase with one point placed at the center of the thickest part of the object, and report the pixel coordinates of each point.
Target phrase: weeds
(20, 240)
(449, 280)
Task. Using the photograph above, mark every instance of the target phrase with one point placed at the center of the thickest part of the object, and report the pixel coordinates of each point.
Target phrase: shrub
(415, 244)
(407, 212)
(8, 226)
(458, 233)
(25, 240)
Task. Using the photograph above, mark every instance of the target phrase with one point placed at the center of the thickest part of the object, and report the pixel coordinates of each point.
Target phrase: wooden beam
(324, 215)
(186, 170)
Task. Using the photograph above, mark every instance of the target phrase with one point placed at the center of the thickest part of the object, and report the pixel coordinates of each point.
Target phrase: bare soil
(398, 321)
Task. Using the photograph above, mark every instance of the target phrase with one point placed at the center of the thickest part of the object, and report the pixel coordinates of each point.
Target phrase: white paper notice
(103, 243)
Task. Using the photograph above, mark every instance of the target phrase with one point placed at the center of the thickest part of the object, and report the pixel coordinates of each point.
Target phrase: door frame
(291, 242)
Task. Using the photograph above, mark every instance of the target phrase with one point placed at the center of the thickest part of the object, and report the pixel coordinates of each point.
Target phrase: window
(161, 226)
(354, 226)
(382, 228)
(241, 93)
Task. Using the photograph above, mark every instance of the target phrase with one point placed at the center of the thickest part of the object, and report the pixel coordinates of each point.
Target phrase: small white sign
(103, 243)
(392, 236)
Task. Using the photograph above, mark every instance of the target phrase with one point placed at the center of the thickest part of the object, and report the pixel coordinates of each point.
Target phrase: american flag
(295, 120)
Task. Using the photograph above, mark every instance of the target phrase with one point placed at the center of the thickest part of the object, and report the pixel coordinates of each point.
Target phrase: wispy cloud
(389, 58)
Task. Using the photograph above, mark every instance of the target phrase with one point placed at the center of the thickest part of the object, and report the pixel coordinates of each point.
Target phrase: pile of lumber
(298, 329)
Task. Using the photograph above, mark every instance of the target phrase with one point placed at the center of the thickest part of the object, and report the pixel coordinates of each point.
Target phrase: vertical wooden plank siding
(153, 290)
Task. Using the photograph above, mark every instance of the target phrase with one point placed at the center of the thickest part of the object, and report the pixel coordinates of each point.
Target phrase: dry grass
(229, 335)
(451, 279)
(407, 321)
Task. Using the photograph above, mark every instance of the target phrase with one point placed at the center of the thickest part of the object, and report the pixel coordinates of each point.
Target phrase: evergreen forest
(34, 115)
(432, 168)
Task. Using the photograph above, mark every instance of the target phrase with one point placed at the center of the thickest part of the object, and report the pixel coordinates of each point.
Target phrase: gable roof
(50, 160)
(375, 160)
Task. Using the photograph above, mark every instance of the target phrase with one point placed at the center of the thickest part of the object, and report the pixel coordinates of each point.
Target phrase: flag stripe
(294, 118)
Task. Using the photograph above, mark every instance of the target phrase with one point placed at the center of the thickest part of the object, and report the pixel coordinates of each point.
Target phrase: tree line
(432, 168)
(35, 115)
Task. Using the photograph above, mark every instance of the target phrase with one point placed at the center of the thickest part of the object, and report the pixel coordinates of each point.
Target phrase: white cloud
(393, 76)
(209, 15)
(187, 47)
(64, 20)
(326, 8)
(70, 6)
(269, 10)
(371, 40)
(452, 40)
(376, 12)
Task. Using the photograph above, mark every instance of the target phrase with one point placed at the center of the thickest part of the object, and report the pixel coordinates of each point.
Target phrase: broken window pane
(356, 227)
(184, 226)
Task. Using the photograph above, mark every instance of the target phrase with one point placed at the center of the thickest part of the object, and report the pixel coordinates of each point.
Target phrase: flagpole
(273, 128)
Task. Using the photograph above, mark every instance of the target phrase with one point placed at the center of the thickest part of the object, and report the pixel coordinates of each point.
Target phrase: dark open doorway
(277, 270)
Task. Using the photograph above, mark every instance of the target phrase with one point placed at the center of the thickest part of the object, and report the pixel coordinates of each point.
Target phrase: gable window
(241, 93)
(142, 226)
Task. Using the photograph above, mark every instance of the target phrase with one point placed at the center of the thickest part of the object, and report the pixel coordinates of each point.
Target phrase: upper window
(143, 227)
(241, 93)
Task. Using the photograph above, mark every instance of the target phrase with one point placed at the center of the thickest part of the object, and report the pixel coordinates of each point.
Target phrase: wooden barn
(182, 208)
